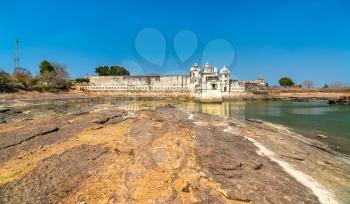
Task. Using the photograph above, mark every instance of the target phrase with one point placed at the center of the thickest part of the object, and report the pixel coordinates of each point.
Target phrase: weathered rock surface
(55, 177)
(108, 155)
(30, 135)
(233, 162)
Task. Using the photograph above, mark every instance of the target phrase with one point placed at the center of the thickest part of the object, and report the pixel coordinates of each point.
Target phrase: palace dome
(195, 67)
(208, 68)
(224, 70)
(207, 65)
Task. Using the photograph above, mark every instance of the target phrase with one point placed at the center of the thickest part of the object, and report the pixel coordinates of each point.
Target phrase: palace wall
(178, 83)
(176, 80)
(174, 86)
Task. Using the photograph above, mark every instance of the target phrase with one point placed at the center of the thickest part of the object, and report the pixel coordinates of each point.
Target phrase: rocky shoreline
(342, 100)
(90, 151)
(333, 96)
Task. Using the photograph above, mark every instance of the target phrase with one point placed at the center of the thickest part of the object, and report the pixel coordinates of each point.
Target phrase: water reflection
(228, 109)
(214, 109)
(308, 118)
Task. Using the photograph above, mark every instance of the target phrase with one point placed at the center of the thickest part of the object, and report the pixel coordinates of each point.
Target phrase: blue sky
(303, 39)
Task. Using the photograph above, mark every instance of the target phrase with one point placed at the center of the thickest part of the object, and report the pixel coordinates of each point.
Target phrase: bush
(6, 84)
(82, 80)
(43, 89)
(22, 78)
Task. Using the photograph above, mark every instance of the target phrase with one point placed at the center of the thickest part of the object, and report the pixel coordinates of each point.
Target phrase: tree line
(52, 77)
(288, 82)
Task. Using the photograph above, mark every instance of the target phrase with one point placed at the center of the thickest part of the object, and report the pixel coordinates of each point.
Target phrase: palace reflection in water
(228, 109)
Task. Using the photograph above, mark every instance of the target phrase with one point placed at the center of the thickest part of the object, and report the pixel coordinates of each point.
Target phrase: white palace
(204, 84)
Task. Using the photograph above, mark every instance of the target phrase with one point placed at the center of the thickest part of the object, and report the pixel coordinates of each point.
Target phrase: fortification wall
(176, 80)
(108, 80)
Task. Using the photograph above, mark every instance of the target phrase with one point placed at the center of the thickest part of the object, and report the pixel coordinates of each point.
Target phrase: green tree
(102, 70)
(117, 71)
(286, 81)
(325, 86)
(46, 67)
(111, 71)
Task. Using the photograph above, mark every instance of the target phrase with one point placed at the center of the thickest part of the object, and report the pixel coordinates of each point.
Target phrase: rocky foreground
(160, 155)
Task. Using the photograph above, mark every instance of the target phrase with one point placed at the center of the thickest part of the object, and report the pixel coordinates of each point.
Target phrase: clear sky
(306, 39)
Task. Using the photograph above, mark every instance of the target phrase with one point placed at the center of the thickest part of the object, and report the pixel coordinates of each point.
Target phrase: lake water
(307, 118)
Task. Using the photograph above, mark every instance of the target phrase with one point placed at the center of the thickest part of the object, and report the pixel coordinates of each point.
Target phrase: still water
(307, 118)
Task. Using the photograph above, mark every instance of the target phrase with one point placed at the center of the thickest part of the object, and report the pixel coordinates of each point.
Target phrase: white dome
(207, 65)
(194, 67)
(224, 70)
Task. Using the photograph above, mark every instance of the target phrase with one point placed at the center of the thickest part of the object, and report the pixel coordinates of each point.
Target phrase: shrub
(82, 80)
(22, 78)
(6, 84)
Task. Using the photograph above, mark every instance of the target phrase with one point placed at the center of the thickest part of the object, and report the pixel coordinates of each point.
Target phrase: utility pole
(16, 56)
